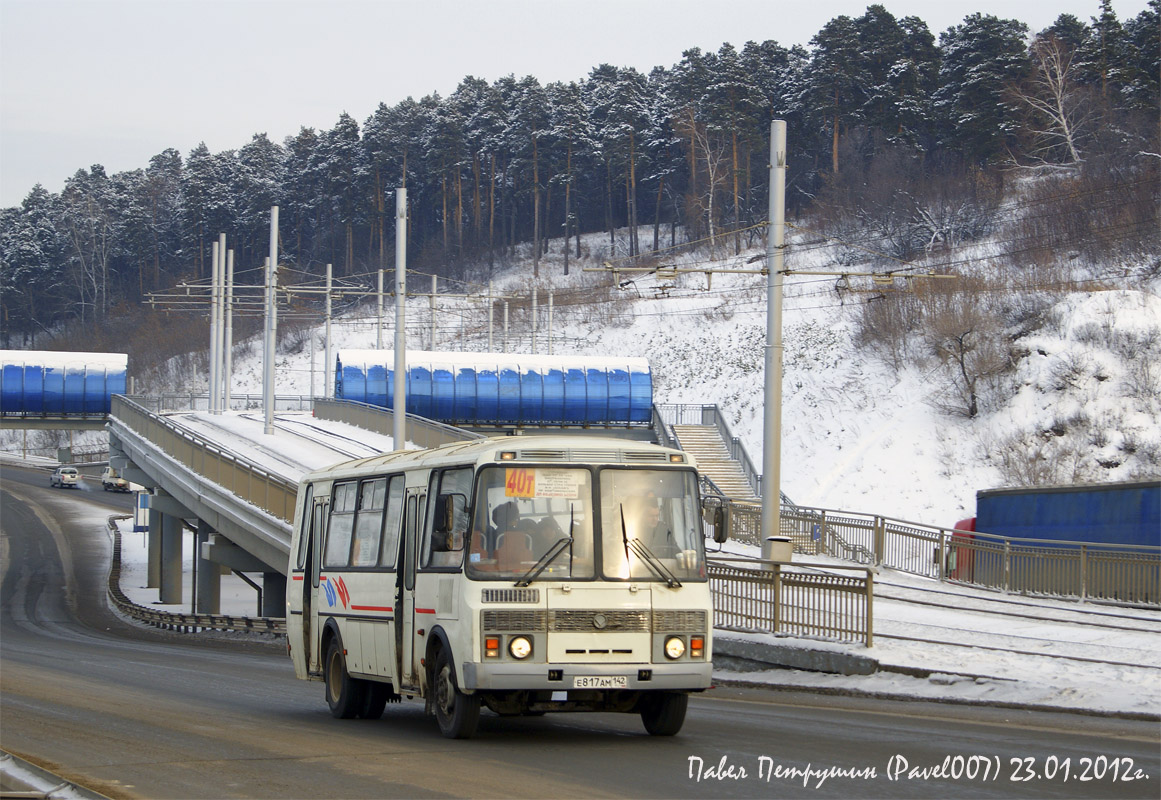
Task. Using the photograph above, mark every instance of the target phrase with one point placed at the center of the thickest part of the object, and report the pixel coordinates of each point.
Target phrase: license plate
(600, 682)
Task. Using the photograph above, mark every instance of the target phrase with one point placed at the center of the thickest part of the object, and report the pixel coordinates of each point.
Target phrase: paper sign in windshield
(524, 482)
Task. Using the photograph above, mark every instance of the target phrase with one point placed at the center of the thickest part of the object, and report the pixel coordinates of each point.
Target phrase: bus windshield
(541, 523)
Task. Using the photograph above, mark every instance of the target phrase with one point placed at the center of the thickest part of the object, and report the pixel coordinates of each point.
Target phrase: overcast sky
(115, 82)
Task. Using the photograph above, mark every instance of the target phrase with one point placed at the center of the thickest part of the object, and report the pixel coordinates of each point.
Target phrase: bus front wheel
(457, 713)
(344, 693)
(664, 713)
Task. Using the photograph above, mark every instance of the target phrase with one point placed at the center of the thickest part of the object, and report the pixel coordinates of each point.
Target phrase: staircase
(705, 443)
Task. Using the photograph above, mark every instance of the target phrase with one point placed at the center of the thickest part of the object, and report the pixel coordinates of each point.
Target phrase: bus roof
(540, 449)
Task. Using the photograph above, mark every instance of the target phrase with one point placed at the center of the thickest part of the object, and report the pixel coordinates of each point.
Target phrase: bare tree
(968, 339)
(1057, 103)
(716, 166)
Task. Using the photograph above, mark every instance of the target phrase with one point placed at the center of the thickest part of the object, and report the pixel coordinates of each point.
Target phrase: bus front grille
(587, 621)
(516, 620)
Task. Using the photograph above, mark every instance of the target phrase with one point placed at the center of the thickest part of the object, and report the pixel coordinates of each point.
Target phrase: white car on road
(65, 476)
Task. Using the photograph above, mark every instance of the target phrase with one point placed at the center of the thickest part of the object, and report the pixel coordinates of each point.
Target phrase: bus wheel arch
(456, 713)
(345, 695)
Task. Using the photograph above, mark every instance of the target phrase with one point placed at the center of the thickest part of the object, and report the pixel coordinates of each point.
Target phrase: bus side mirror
(721, 525)
(715, 515)
(447, 513)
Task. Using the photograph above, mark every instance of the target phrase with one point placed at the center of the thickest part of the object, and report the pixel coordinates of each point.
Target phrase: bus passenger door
(310, 599)
(405, 592)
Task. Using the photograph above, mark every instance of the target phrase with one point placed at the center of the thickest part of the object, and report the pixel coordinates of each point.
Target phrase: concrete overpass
(241, 510)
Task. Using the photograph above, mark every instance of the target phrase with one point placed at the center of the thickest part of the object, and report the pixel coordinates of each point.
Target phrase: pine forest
(897, 136)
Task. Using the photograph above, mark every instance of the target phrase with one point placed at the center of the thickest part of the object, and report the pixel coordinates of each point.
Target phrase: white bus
(522, 574)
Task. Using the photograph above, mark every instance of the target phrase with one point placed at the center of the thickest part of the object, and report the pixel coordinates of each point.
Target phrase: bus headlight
(674, 647)
(520, 647)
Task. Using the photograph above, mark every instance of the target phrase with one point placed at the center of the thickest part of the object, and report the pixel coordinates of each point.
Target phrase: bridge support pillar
(209, 583)
(153, 579)
(171, 547)
(273, 594)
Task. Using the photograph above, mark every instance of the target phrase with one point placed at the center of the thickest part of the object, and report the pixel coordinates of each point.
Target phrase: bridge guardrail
(175, 621)
(192, 401)
(273, 494)
(1129, 574)
(423, 432)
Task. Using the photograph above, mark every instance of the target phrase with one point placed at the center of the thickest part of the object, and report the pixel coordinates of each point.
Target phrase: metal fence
(271, 493)
(772, 597)
(1128, 574)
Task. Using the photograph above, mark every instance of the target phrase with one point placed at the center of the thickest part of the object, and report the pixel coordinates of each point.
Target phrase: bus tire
(345, 695)
(664, 712)
(457, 713)
(374, 700)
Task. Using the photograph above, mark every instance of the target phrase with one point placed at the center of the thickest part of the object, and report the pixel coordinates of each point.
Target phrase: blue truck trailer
(1098, 513)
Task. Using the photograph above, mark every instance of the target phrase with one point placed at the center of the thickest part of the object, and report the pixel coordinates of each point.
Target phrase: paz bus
(522, 574)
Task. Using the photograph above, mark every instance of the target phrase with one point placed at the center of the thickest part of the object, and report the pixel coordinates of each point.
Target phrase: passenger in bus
(506, 517)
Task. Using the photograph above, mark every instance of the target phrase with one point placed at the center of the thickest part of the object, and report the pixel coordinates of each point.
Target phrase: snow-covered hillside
(858, 434)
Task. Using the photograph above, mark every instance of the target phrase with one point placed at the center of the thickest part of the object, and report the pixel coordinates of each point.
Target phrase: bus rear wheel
(345, 695)
(457, 713)
(664, 713)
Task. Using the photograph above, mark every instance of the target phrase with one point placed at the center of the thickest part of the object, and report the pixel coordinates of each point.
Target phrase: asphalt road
(132, 711)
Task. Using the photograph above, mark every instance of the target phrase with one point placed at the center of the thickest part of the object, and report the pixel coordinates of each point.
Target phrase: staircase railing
(692, 414)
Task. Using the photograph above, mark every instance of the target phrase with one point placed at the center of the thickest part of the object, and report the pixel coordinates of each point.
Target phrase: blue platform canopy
(484, 389)
(60, 384)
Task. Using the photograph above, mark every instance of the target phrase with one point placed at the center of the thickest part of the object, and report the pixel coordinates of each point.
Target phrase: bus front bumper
(510, 676)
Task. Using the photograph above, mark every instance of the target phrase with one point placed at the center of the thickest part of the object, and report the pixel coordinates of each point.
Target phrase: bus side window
(341, 525)
(304, 527)
(391, 523)
(411, 527)
(447, 515)
(369, 523)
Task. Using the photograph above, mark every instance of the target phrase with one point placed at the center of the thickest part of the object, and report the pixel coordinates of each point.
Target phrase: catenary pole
(228, 353)
(329, 387)
(491, 312)
(434, 280)
(379, 316)
(215, 340)
(220, 316)
(271, 324)
(399, 384)
(772, 419)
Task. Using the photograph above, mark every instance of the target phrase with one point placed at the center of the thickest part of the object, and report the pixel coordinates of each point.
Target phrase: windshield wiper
(660, 570)
(545, 560)
(646, 555)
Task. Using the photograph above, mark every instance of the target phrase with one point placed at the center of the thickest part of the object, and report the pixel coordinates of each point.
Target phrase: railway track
(1018, 627)
(1144, 622)
(323, 436)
